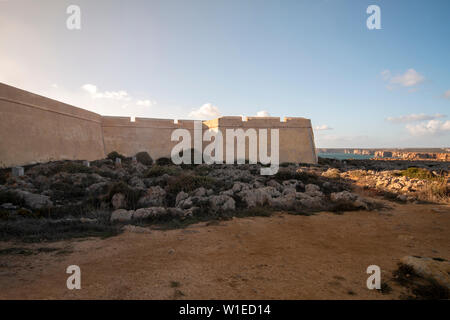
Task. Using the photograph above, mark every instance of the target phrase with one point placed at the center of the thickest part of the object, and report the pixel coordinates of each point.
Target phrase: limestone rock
(97, 189)
(136, 229)
(151, 212)
(122, 215)
(430, 268)
(343, 196)
(35, 201)
(222, 203)
(118, 201)
(154, 198)
(332, 173)
(312, 189)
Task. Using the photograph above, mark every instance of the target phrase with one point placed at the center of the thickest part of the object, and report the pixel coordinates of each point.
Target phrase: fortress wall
(151, 135)
(296, 139)
(37, 129)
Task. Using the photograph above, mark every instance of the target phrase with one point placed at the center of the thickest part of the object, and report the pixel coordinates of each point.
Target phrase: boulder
(222, 203)
(200, 192)
(332, 173)
(136, 229)
(275, 184)
(312, 189)
(240, 186)
(430, 268)
(257, 197)
(118, 201)
(176, 212)
(154, 198)
(122, 215)
(151, 212)
(137, 182)
(343, 196)
(35, 201)
(138, 167)
(98, 189)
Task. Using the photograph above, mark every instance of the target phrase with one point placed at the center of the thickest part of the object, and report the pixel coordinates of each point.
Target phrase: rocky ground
(67, 199)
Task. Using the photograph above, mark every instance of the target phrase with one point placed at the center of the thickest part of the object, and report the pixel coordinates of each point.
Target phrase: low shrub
(163, 161)
(144, 158)
(417, 173)
(4, 175)
(285, 174)
(305, 177)
(67, 191)
(8, 196)
(188, 183)
(157, 171)
(114, 154)
(4, 214)
(131, 195)
(203, 170)
(74, 167)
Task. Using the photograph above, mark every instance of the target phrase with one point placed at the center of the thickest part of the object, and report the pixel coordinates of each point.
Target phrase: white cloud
(432, 127)
(145, 103)
(447, 94)
(415, 117)
(386, 74)
(92, 89)
(116, 95)
(205, 112)
(323, 127)
(262, 113)
(408, 79)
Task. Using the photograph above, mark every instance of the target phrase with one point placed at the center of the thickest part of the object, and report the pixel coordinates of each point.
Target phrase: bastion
(36, 129)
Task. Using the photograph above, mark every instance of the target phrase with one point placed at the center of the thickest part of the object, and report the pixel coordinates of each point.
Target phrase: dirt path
(324, 256)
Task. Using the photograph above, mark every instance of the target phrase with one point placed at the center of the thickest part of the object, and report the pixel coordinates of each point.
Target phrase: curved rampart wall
(37, 129)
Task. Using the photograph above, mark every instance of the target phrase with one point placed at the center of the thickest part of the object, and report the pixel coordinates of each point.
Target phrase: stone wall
(37, 129)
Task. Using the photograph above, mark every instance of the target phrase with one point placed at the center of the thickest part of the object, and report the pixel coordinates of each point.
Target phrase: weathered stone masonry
(37, 129)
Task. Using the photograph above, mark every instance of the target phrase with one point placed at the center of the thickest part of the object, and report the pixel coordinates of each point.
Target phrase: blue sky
(199, 59)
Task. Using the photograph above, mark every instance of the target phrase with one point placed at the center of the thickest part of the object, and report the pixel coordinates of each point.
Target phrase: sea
(344, 156)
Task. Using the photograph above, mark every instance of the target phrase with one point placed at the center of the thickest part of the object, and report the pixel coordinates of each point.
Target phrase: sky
(199, 59)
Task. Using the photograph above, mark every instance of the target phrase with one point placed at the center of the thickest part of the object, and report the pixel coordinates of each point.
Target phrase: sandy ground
(324, 256)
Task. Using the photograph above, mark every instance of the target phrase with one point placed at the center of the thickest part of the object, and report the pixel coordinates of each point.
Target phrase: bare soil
(324, 256)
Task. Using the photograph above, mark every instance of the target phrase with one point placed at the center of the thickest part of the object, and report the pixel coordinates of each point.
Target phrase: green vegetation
(131, 195)
(417, 173)
(157, 171)
(188, 183)
(4, 214)
(73, 167)
(11, 197)
(163, 161)
(4, 175)
(113, 155)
